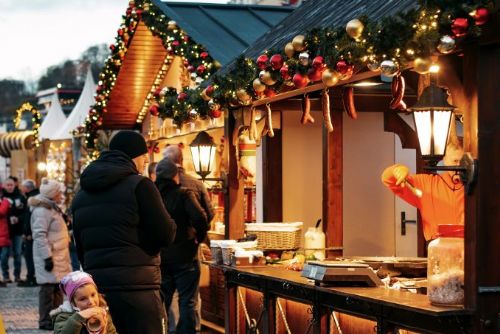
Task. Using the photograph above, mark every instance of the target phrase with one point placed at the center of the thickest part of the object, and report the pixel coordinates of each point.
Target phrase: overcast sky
(35, 34)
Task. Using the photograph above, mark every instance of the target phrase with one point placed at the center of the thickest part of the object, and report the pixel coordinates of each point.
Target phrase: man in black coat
(120, 224)
(29, 189)
(179, 263)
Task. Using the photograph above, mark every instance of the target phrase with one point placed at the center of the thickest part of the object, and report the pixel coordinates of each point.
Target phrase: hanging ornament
(182, 96)
(459, 26)
(480, 16)
(215, 113)
(200, 69)
(304, 58)
(354, 29)
(191, 68)
(193, 114)
(186, 39)
(204, 95)
(210, 90)
(198, 80)
(262, 61)
(269, 92)
(446, 44)
(204, 54)
(318, 62)
(243, 96)
(314, 74)
(389, 68)
(171, 25)
(258, 86)
(422, 65)
(176, 43)
(345, 69)
(284, 72)
(300, 80)
(212, 105)
(298, 43)
(330, 78)
(153, 110)
(289, 50)
(194, 76)
(267, 78)
(276, 62)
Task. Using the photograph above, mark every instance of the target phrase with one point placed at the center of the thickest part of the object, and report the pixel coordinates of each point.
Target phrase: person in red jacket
(4, 229)
(442, 200)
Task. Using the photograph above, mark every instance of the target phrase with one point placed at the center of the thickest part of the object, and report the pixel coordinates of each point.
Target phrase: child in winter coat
(85, 311)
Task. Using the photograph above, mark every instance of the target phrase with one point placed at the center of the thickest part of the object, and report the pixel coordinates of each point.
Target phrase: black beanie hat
(166, 169)
(131, 143)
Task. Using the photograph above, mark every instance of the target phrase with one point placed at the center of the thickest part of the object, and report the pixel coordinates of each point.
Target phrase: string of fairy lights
(35, 118)
(328, 55)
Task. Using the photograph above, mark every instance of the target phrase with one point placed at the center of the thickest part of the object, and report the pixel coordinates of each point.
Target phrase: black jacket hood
(110, 168)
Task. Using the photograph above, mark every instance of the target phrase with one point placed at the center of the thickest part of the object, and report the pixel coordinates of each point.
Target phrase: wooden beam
(394, 123)
(333, 184)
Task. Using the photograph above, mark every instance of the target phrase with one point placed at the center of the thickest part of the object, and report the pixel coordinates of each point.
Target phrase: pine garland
(36, 120)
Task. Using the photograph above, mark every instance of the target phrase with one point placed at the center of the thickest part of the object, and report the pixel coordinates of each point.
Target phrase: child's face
(85, 297)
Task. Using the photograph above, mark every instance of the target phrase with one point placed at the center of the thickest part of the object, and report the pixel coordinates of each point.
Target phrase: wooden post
(272, 181)
(333, 184)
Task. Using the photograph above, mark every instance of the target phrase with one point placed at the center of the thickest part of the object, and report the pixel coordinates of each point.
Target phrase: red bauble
(104, 110)
(154, 110)
(314, 74)
(182, 96)
(157, 92)
(480, 16)
(318, 62)
(215, 113)
(176, 43)
(276, 62)
(120, 32)
(191, 68)
(262, 62)
(209, 90)
(459, 26)
(343, 67)
(112, 47)
(269, 92)
(185, 38)
(200, 69)
(186, 62)
(284, 72)
(300, 80)
(138, 12)
(204, 55)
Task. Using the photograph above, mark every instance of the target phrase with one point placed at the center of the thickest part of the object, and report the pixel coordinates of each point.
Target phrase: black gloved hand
(49, 264)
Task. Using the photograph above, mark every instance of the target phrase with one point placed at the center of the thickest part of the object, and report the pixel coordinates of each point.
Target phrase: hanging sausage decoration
(253, 126)
(326, 110)
(306, 110)
(269, 121)
(348, 102)
(398, 92)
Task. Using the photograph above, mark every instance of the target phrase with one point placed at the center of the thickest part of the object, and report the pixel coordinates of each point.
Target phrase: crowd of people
(135, 238)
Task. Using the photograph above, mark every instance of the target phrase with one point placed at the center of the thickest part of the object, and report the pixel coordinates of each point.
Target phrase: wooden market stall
(336, 175)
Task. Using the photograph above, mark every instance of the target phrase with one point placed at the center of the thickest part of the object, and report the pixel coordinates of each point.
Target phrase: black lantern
(203, 153)
(432, 115)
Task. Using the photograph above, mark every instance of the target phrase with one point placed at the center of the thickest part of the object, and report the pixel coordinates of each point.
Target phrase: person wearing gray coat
(50, 248)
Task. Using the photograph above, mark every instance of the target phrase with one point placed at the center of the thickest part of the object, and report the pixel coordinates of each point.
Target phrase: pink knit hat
(72, 281)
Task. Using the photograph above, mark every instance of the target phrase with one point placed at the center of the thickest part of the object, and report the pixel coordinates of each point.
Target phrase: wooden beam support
(272, 185)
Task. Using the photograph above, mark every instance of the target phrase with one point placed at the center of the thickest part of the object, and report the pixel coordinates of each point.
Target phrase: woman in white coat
(50, 248)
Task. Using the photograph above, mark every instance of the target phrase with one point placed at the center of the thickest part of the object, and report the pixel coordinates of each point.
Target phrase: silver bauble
(304, 58)
(373, 65)
(389, 68)
(446, 44)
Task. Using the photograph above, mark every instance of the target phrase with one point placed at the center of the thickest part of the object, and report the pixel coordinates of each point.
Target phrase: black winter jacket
(190, 218)
(120, 225)
(18, 208)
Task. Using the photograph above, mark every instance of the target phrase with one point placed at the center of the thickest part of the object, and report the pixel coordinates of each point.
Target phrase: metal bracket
(404, 222)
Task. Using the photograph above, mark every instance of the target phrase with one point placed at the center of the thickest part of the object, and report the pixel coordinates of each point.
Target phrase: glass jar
(445, 267)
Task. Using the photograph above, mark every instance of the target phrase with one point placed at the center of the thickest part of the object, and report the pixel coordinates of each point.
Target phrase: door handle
(404, 222)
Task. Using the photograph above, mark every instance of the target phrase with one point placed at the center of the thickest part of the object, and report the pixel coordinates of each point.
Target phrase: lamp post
(203, 153)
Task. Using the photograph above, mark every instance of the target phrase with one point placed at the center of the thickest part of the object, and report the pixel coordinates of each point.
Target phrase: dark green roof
(225, 30)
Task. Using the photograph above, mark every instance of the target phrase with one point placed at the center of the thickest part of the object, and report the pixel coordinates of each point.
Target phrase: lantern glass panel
(423, 123)
(441, 128)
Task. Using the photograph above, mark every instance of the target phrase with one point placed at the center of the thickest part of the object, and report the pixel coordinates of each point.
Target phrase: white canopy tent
(80, 111)
(53, 121)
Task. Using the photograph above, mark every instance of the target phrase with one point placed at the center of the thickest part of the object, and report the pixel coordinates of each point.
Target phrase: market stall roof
(320, 14)
(11, 141)
(224, 30)
(52, 122)
(80, 111)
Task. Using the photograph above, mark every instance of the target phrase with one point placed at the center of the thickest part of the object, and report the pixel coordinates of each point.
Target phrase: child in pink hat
(85, 311)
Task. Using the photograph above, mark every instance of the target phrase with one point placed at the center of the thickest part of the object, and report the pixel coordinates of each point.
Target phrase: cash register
(341, 273)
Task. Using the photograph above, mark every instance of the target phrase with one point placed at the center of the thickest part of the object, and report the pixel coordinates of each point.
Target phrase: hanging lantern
(432, 115)
(203, 153)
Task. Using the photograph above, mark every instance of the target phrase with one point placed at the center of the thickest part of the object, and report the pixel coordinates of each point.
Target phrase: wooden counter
(391, 309)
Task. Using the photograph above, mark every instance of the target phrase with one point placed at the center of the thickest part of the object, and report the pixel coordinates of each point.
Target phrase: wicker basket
(273, 238)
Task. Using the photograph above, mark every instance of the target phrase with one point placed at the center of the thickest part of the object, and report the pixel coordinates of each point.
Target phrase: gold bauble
(258, 86)
(422, 65)
(298, 43)
(266, 78)
(330, 78)
(289, 50)
(242, 95)
(354, 28)
(204, 95)
(171, 25)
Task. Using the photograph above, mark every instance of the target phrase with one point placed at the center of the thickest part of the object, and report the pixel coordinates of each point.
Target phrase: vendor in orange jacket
(442, 200)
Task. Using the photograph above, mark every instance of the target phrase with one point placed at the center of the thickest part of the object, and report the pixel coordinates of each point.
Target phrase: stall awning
(22, 140)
